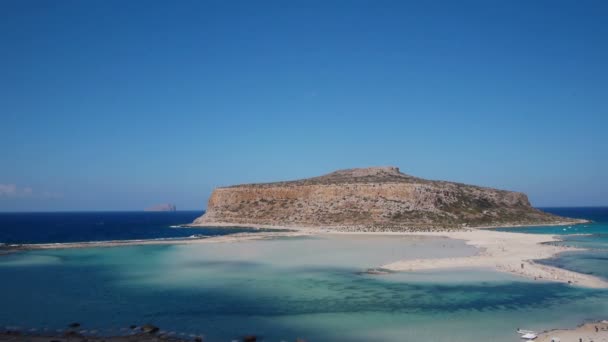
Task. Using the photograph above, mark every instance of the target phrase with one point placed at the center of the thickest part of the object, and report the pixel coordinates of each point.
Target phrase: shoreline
(512, 252)
(10, 248)
(281, 230)
(367, 228)
(587, 332)
(145, 333)
(592, 331)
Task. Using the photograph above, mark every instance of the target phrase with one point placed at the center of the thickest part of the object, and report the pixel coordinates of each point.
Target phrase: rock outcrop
(162, 207)
(377, 198)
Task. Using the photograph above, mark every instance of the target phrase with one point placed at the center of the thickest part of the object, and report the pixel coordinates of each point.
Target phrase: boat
(527, 334)
(523, 331)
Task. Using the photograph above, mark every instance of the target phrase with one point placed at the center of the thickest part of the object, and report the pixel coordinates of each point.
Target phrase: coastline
(374, 229)
(593, 331)
(151, 334)
(509, 252)
(10, 248)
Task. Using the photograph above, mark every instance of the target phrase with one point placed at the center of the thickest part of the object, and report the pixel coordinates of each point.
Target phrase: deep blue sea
(282, 289)
(56, 227)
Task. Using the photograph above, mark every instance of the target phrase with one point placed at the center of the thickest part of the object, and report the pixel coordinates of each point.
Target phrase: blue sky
(119, 105)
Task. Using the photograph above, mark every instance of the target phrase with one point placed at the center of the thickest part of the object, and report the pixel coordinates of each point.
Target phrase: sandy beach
(590, 332)
(508, 252)
(170, 241)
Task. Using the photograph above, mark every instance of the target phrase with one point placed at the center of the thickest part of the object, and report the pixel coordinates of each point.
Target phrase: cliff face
(379, 197)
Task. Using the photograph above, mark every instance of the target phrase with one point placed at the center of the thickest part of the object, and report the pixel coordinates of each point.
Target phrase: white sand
(505, 252)
(502, 251)
(586, 333)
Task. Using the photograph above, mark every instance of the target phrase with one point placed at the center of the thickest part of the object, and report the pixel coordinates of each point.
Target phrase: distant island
(371, 199)
(162, 207)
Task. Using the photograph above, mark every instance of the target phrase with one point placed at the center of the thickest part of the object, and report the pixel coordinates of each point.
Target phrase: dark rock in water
(198, 339)
(149, 329)
(74, 325)
(249, 338)
(132, 326)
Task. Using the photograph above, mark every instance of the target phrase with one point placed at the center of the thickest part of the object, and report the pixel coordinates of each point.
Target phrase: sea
(280, 289)
(59, 227)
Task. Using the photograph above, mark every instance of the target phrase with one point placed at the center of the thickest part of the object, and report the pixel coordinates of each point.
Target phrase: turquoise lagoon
(286, 288)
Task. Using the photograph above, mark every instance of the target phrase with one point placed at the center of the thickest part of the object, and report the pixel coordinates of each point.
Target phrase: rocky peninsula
(371, 199)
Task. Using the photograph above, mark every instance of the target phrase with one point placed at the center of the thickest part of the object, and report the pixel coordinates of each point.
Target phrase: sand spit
(514, 253)
(169, 241)
(590, 332)
(508, 252)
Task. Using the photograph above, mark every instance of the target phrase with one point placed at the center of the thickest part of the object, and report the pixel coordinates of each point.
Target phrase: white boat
(527, 334)
(523, 332)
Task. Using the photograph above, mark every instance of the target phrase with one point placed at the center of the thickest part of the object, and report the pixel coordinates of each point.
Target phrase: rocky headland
(371, 199)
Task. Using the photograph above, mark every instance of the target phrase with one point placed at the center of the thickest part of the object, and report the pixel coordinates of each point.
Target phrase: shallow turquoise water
(283, 289)
(300, 287)
(591, 236)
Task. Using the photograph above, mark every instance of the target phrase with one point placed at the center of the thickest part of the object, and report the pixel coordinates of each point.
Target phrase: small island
(371, 199)
(162, 207)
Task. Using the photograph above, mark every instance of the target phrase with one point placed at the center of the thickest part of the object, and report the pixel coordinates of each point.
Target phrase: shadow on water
(314, 290)
(228, 295)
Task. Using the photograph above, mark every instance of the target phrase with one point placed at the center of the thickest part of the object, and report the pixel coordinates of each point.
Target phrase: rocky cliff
(378, 198)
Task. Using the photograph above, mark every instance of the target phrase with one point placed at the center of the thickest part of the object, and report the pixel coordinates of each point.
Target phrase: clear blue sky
(124, 104)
